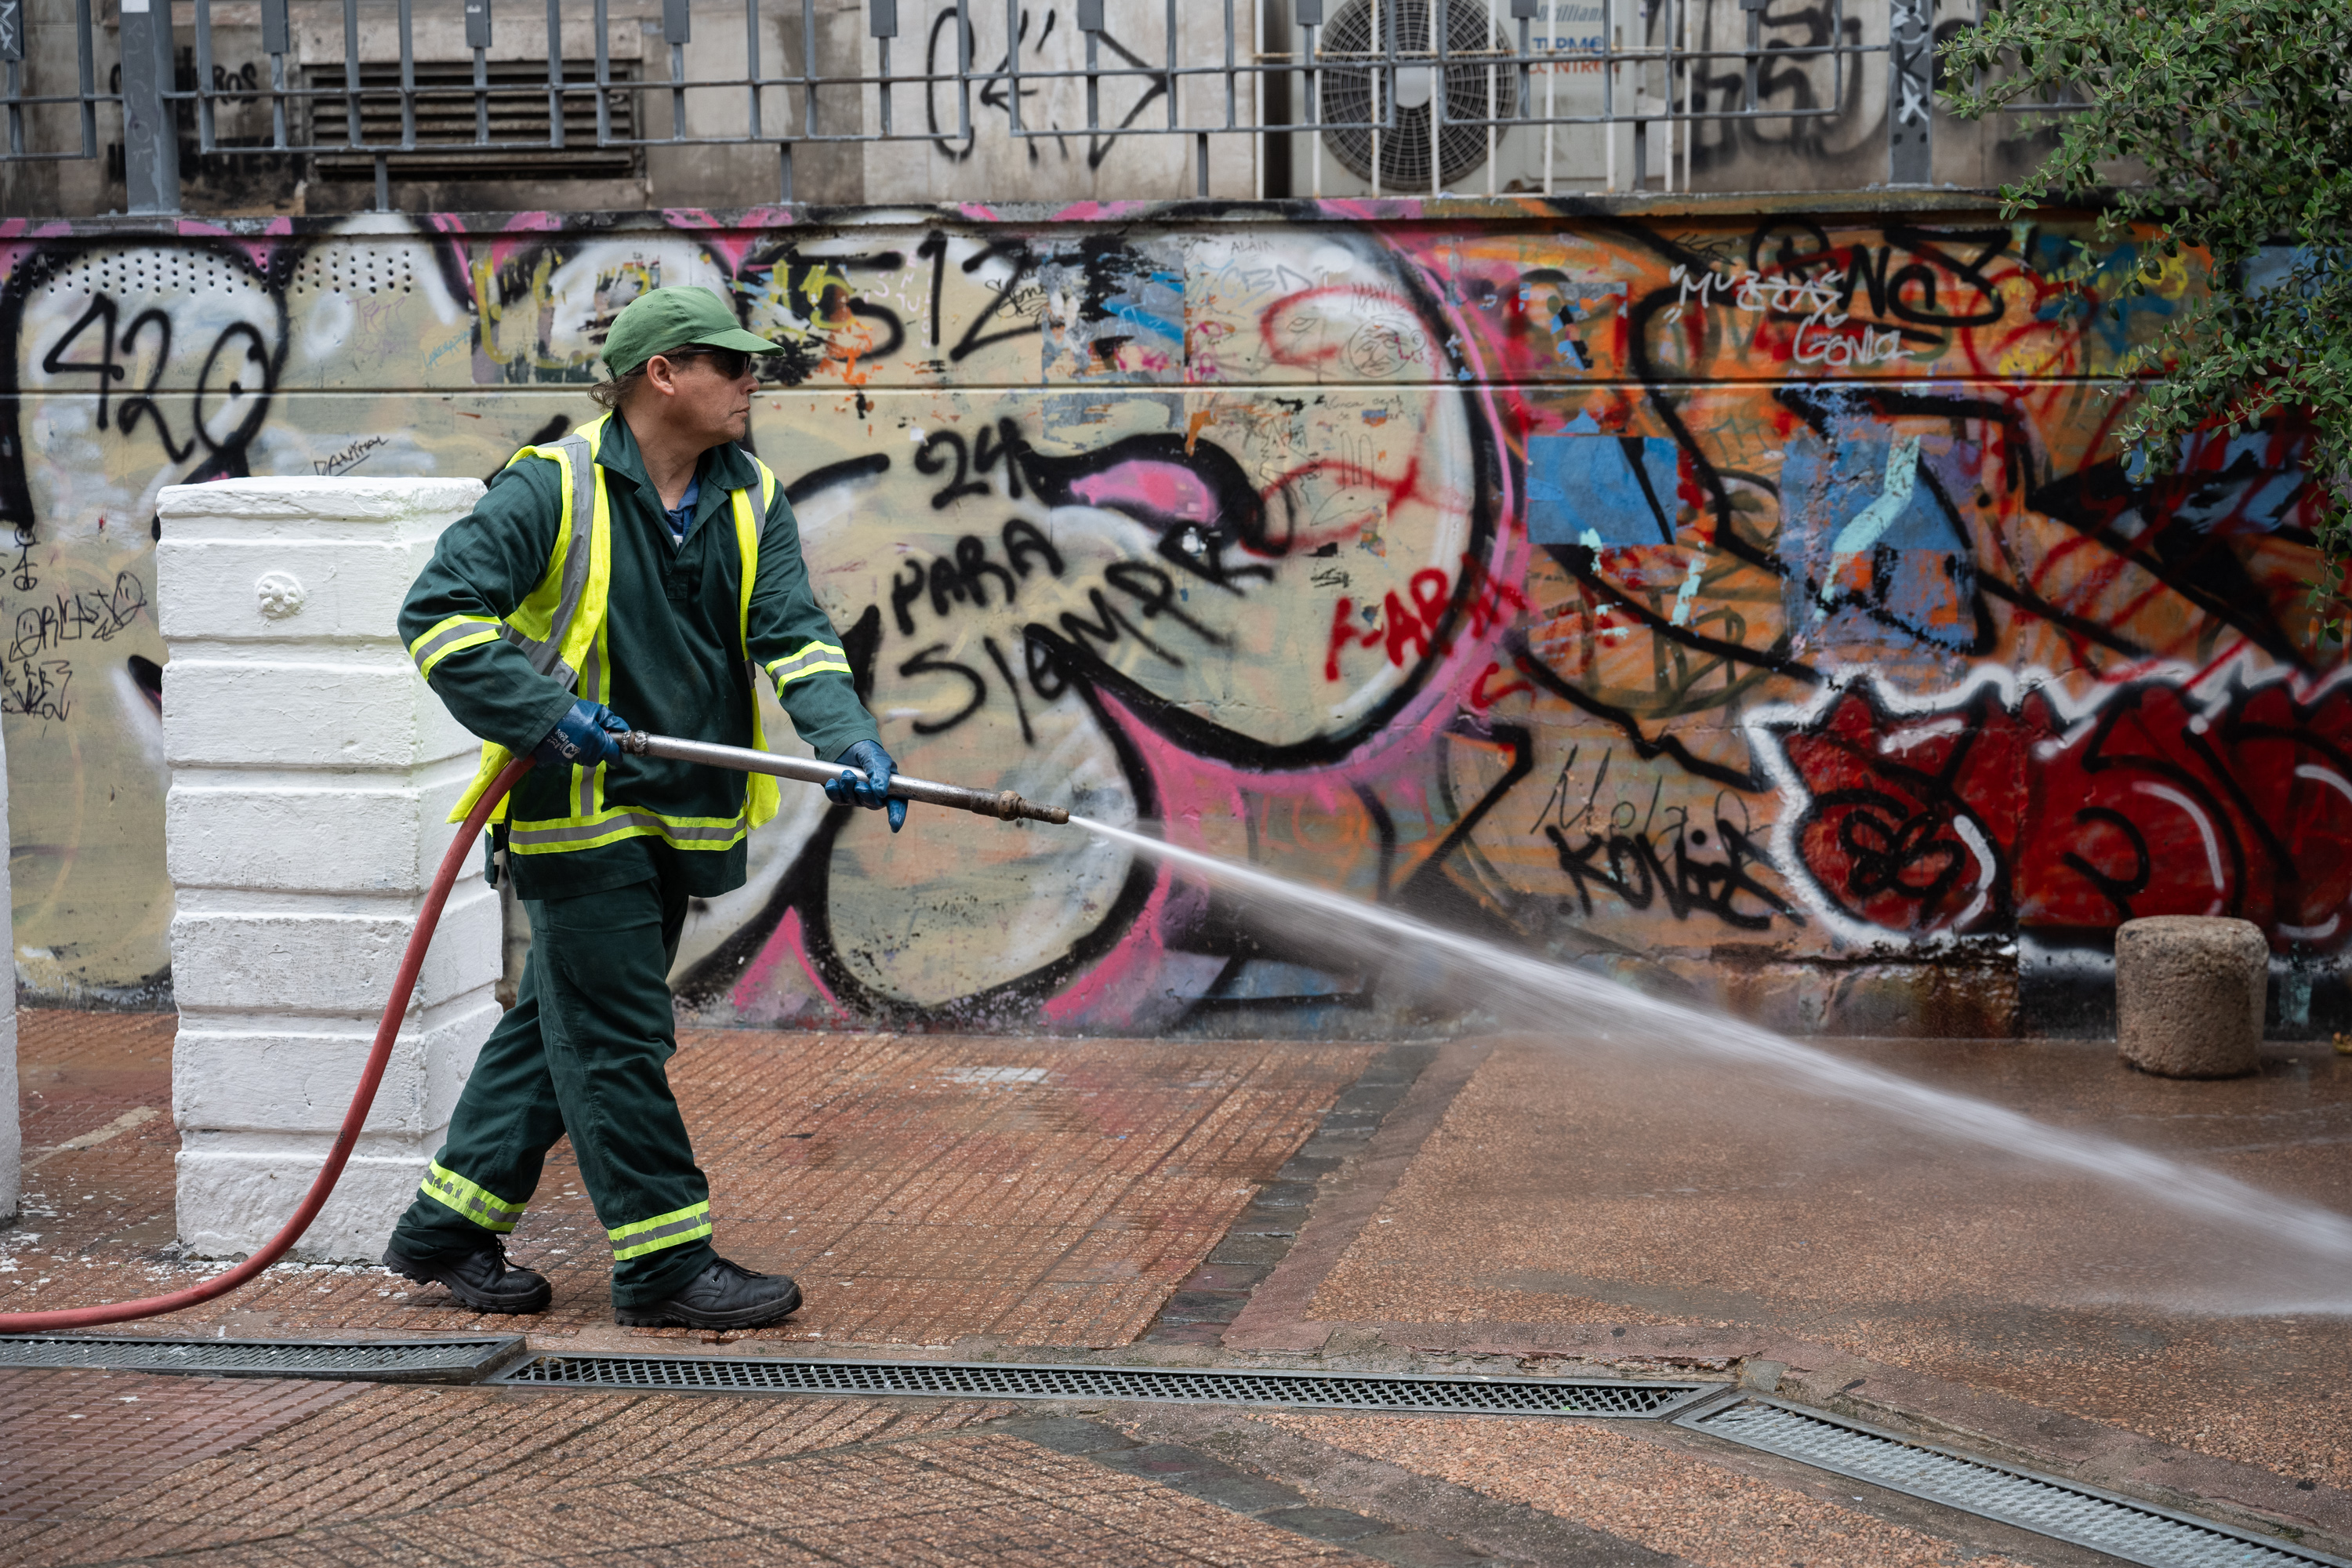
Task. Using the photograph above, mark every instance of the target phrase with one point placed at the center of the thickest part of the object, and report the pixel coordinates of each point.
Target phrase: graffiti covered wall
(1757, 601)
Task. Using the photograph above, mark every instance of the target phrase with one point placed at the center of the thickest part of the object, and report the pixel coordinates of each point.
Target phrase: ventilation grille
(136, 271)
(445, 123)
(2134, 1531)
(1403, 94)
(1441, 1396)
(339, 267)
(398, 1361)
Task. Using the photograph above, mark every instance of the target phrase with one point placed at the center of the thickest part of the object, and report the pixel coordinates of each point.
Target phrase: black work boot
(724, 1296)
(483, 1279)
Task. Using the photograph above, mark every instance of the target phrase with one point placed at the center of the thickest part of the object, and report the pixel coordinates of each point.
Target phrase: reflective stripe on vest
(590, 829)
(561, 627)
(576, 554)
(762, 794)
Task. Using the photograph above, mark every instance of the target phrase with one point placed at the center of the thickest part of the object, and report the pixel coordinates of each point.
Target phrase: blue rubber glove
(582, 738)
(871, 791)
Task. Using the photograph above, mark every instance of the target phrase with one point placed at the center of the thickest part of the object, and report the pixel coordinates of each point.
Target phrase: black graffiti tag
(940, 65)
(1626, 862)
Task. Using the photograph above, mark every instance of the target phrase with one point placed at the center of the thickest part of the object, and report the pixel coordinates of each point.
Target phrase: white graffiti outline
(1819, 340)
(2208, 690)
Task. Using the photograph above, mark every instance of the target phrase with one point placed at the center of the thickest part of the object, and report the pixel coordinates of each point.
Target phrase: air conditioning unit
(1376, 120)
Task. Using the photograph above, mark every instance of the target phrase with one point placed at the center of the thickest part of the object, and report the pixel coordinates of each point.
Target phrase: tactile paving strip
(381, 1360)
(2066, 1511)
(986, 1380)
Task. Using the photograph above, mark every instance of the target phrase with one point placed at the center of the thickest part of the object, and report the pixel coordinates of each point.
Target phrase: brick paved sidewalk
(273, 1472)
(1480, 1205)
(922, 1189)
(431, 1475)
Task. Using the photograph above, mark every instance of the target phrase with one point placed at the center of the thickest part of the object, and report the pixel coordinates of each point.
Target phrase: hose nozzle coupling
(1003, 805)
(1013, 808)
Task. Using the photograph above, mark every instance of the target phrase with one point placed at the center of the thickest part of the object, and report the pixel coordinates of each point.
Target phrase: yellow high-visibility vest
(559, 626)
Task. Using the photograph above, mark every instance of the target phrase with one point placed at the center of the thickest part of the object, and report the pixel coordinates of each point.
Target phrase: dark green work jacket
(668, 653)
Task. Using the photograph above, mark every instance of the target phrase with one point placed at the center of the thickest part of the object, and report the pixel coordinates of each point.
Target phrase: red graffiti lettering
(1481, 698)
(1412, 622)
(1404, 626)
(1489, 597)
(1429, 592)
(1343, 631)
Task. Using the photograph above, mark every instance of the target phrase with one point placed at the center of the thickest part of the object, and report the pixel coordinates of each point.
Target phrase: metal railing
(1405, 96)
(13, 40)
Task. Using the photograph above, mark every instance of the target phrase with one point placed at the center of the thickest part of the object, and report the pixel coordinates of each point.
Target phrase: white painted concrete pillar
(311, 771)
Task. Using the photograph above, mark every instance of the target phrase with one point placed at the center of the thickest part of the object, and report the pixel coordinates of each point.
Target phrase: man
(644, 566)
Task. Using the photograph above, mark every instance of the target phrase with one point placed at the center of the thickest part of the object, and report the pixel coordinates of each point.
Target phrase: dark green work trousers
(584, 1051)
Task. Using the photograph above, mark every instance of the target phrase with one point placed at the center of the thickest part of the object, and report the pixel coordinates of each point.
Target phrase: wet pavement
(1496, 1205)
(1559, 1193)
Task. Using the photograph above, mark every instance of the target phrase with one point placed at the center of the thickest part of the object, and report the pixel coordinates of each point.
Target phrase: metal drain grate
(383, 1361)
(2135, 1532)
(985, 1379)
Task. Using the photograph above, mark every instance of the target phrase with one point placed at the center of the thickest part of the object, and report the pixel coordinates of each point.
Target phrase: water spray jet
(2318, 1235)
(1537, 995)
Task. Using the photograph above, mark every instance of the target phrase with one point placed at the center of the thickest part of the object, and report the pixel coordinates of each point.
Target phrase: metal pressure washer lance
(1003, 805)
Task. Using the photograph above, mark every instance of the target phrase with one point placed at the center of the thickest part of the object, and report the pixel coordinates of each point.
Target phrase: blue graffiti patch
(1619, 490)
(1875, 554)
(1267, 980)
(1155, 308)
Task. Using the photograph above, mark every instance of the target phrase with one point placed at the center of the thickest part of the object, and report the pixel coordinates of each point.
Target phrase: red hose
(388, 1031)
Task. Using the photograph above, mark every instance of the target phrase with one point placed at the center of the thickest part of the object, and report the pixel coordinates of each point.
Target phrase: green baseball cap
(660, 319)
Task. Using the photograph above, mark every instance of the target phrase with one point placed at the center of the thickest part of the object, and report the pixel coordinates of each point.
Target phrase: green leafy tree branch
(2238, 114)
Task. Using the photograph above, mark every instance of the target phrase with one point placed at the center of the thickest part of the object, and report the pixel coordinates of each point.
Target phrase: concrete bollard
(311, 771)
(2188, 994)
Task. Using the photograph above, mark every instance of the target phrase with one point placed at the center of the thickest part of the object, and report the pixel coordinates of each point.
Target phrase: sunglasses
(731, 364)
